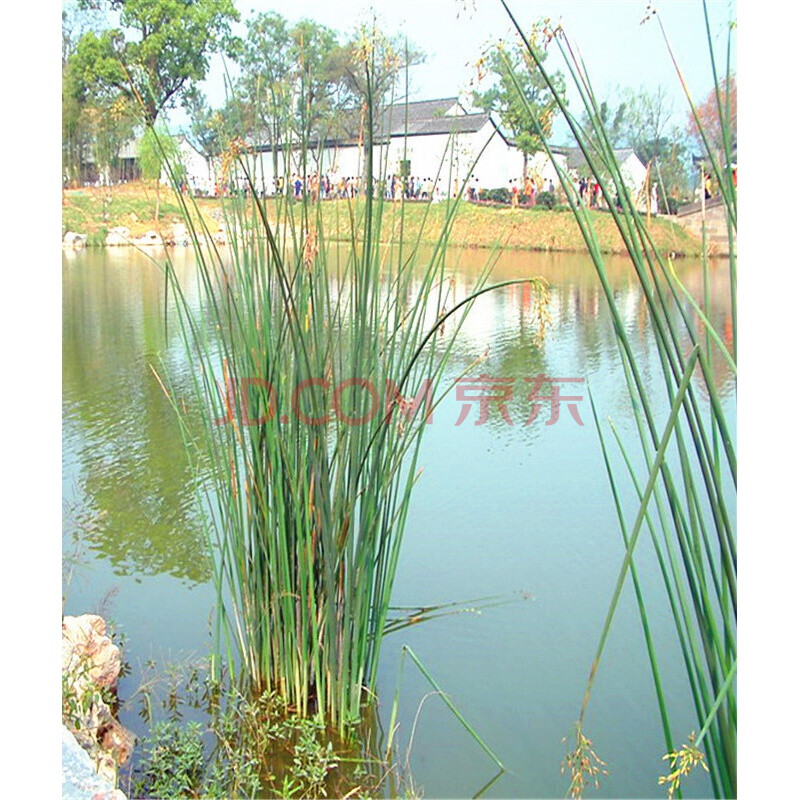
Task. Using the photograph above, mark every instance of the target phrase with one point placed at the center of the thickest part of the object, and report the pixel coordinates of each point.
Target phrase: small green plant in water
(174, 762)
(249, 747)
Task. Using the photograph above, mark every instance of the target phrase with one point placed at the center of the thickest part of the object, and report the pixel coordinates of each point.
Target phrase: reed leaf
(692, 530)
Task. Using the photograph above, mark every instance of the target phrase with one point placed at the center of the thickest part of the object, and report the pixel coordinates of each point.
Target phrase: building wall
(457, 158)
(452, 157)
(199, 169)
(499, 163)
(541, 169)
(634, 174)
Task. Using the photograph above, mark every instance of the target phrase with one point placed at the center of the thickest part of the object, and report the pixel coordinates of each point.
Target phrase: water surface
(522, 511)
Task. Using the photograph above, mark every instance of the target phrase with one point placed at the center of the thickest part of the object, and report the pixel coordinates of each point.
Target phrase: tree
(716, 129)
(266, 84)
(649, 114)
(388, 58)
(318, 78)
(208, 129)
(158, 149)
(518, 94)
(158, 47)
(94, 121)
(295, 76)
(657, 142)
(614, 120)
(75, 129)
(292, 87)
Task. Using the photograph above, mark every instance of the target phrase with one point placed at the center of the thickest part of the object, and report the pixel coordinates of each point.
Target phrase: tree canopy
(292, 76)
(518, 93)
(642, 119)
(716, 128)
(95, 119)
(157, 48)
(302, 78)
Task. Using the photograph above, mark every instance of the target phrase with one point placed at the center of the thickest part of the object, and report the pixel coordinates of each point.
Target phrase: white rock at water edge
(180, 234)
(72, 239)
(149, 238)
(118, 236)
(87, 652)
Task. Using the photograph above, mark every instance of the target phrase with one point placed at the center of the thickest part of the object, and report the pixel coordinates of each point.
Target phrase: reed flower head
(584, 765)
(235, 149)
(681, 763)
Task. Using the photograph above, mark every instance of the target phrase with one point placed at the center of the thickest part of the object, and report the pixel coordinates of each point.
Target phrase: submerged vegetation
(246, 746)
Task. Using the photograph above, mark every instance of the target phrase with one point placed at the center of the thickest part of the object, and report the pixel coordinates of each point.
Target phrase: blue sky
(617, 49)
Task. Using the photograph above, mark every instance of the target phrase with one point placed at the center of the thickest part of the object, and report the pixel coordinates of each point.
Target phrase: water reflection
(124, 461)
(498, 508)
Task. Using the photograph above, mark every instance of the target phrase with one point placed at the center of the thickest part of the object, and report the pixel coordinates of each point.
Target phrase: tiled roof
(576, 160)
(394, 122)
(422, 118)
(392, 119)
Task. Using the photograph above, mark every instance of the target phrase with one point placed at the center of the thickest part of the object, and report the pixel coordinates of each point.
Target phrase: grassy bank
(93, 210)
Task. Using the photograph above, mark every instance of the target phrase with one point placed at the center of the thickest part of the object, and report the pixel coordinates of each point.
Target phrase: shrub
(501, 195)
(547, 199)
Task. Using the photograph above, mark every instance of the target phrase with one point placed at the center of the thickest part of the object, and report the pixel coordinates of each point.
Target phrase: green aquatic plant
(174, 762)
(245, 746)
(318, 368)
(685, 476)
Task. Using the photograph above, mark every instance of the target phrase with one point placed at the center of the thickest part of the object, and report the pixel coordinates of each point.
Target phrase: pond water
(520, 511)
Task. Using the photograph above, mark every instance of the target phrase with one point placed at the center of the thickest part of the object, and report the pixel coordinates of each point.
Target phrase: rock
(221, 237)
(72, 239)
(149, 239)
(118, 742)
(79, 779)
(91, 663)
(87, 653)
(180, 235)
(106, 768)
(118, 236)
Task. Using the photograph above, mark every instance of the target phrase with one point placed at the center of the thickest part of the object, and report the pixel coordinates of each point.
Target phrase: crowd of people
(327, 187)
(399, 187)
(525, 192)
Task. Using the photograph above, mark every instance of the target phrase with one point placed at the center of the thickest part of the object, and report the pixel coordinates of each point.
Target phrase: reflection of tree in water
(518, 352)
(121, 432)
(119, 429)
(581, 335)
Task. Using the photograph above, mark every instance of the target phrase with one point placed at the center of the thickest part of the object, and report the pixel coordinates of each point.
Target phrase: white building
(431, 140)
(571, 161)
(198, 169)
